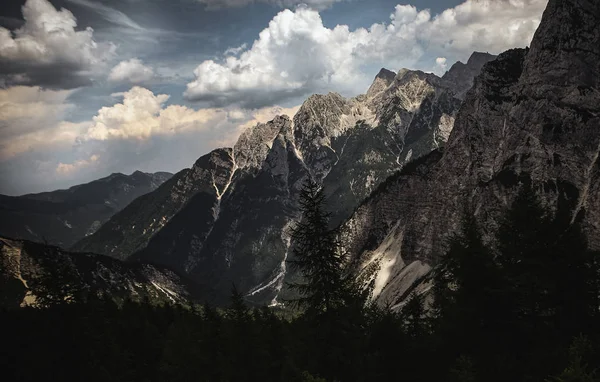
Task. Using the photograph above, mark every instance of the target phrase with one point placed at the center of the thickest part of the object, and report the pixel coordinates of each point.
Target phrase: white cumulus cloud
(132, 71)
(142, 114)
(296, 54)
(48, 49)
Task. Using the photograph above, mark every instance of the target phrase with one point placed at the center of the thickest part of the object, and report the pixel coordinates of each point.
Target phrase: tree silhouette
(316, 254)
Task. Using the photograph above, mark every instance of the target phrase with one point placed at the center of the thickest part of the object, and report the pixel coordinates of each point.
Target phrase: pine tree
(316, 254)
(238, 311)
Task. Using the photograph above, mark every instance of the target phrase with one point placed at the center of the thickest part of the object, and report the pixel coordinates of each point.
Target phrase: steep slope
(233, 228)
(64, 216)
(131, 228)
(532, 115)
(206, 183)
(24, 262)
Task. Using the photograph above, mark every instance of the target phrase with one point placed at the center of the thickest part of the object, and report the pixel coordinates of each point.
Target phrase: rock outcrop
(533, 115)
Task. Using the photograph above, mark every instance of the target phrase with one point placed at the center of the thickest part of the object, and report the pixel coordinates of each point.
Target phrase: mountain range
(401, 166)
(226, 220)
(63, 217)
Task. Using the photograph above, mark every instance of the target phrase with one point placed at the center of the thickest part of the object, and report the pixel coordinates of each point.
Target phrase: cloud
(132, 71)
(235, 51)
(297, 55)
(142, 114)
(441, 63)
(71, 168)
(48, 50)
(109, 14)
(41, 150)
(125, 25)
(31, 118)
(315, 4)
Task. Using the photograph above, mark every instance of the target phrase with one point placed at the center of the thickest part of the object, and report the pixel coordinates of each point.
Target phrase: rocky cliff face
(532, 115)
(22, 263)
(64, 216)
(132, 228)
(231, 224)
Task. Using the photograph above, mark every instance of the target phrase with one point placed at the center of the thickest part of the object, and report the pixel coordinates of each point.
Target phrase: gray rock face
(232, 222)
(531, 114)
(383, 79)
(64, 216)
(461, 76)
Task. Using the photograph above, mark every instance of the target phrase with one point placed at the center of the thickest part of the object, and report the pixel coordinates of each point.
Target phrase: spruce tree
(316, 254)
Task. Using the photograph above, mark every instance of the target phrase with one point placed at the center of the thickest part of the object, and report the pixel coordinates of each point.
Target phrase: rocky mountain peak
(405, 95)
(386, 75)
(460, 76)
(564, 59)
(382, 80)
(315, 124)
(478, 59)
(253, 144)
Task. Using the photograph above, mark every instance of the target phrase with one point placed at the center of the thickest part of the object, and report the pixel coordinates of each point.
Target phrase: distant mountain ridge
(226, 219)
(62, 217)
(23, 262)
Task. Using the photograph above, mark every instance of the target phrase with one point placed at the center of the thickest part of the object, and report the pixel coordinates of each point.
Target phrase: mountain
(226, 220)
(532, 116)
(462, 75)
(64, 216)
(23, 264)
(206, 182)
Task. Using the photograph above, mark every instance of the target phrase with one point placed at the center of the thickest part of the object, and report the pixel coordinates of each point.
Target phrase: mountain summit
(226, 220)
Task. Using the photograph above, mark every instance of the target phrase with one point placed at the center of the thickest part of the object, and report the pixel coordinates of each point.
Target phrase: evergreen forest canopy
(523, 309)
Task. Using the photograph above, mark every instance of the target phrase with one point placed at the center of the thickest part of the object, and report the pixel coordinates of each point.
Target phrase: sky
(92, 87)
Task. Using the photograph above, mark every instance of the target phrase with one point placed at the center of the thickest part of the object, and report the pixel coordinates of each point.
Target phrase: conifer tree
(316, 254)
